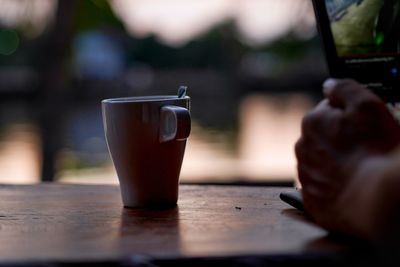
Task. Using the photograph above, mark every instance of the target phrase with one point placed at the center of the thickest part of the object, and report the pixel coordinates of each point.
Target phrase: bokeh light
(9, 41)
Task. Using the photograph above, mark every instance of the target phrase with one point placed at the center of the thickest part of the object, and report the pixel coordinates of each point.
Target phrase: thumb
(344, 93)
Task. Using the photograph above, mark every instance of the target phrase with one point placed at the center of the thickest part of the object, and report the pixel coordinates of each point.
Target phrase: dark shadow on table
(330, 240)
(298, 215)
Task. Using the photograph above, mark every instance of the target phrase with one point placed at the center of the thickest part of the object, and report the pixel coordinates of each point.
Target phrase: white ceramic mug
(146, 137)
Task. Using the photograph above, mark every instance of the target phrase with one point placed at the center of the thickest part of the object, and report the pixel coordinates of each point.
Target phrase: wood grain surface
(59, 222)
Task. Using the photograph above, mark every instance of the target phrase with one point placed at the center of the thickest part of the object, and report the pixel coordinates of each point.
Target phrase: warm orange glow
(270, 126)
(19, 153)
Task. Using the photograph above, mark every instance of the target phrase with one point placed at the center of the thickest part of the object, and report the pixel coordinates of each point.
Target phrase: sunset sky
(177, 21)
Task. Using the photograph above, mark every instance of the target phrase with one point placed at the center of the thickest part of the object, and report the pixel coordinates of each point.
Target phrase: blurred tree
(219, 48)
(93, 15)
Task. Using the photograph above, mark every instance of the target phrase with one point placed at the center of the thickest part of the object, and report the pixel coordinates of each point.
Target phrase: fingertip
(341, 92)
(329, 85)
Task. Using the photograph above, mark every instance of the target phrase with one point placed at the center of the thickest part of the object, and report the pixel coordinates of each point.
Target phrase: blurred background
(253, 68)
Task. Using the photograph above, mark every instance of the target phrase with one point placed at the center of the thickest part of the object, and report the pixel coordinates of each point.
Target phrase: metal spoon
(182, 91)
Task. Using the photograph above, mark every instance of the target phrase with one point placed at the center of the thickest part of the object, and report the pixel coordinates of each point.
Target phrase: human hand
(350, 127)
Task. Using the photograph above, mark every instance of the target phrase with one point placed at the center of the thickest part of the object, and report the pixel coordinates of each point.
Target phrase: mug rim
(142, 99)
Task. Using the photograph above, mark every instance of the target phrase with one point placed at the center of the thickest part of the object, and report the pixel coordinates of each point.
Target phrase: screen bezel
(324, 29)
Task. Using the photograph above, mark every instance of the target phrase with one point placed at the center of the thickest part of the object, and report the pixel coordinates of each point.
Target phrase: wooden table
(87, 223)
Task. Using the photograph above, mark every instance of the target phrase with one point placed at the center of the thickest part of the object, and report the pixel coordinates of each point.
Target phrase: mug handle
(174, 123)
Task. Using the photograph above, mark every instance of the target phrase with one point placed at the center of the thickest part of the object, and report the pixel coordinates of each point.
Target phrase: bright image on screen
(365, 27)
